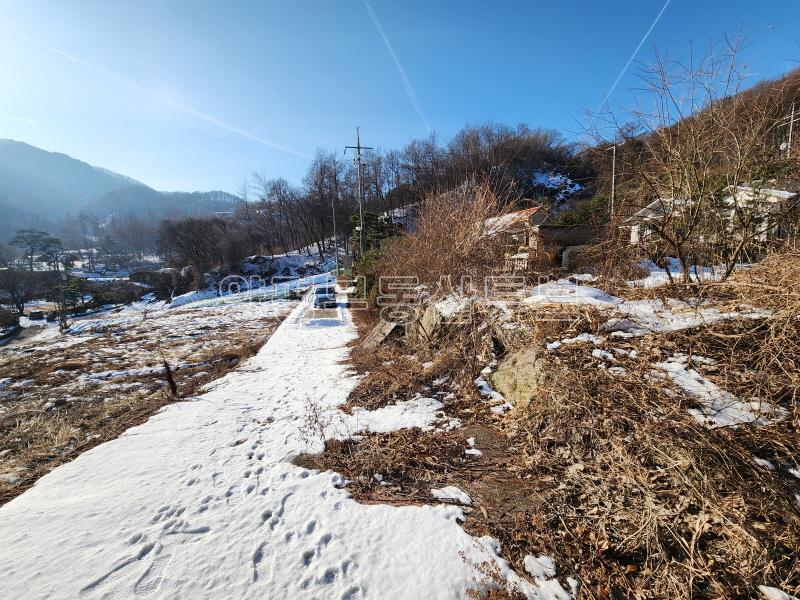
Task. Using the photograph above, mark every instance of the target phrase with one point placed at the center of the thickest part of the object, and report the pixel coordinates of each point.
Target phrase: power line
(358, 148)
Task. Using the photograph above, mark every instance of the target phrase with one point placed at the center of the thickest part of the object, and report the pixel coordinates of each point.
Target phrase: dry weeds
(607, 472)
(63, 405)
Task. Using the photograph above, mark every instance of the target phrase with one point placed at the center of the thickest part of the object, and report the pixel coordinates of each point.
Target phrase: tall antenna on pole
(358, 148)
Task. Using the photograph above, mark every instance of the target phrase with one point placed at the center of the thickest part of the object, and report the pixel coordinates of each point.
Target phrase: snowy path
(202, 502)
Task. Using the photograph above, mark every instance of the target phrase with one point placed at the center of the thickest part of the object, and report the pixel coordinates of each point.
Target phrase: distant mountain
(143, 200)
(38, 186)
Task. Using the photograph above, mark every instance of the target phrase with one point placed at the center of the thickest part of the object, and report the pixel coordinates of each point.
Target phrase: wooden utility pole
(358, 148)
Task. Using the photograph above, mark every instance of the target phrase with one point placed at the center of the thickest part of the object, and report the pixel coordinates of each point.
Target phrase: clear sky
(197, 94)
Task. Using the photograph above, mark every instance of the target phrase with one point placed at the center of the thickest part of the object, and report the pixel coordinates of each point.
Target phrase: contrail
(635, 52)
(168, 102)
(412, 96)
(23, 119)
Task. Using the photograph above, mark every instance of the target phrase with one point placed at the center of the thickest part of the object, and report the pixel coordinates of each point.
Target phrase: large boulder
(517, 377)
(435, 317)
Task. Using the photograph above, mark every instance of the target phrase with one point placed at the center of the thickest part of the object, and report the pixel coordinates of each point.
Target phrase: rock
(57, 403)
(425, 327)
(517, 377)
(436, 317)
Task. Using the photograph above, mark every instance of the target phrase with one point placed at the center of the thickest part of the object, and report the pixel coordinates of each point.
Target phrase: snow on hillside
(291, 265)
(636, 318)
(562, 185)
(204, 501)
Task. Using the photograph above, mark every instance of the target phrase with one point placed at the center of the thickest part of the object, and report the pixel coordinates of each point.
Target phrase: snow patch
(540, 567)
(719, 407)
(773, 593)
(453, 493)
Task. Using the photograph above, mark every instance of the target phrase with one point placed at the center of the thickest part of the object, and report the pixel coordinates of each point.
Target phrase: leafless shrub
(613, 261)
(451, 238)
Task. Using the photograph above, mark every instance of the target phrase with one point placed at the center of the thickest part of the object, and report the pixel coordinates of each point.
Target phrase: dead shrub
(613, 261)
(408, 461)
(451, 238)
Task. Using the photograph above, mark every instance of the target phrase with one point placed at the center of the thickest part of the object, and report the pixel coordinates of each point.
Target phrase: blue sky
(197, 94)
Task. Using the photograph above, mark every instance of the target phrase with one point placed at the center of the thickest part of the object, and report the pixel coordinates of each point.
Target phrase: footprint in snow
(232, 495)
(157, 557)
(353, 593)
(259, 568)
(166, 513)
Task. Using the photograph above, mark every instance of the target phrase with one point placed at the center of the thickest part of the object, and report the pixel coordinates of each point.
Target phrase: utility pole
(790, 121)
(613, 176)
(358, 148)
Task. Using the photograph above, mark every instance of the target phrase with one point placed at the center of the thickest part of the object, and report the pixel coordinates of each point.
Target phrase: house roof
(765, 192)
(657, 209)
(510, 221)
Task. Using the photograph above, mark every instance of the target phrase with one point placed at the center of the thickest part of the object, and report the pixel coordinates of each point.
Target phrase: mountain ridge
(38, 185)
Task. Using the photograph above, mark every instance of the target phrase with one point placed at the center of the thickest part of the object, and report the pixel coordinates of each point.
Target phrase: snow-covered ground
(203, 501)
(659, 276)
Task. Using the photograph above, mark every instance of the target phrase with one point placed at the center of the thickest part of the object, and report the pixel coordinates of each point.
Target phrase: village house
(645, 223)
(770, 209)
(529, 235)
(773, 208)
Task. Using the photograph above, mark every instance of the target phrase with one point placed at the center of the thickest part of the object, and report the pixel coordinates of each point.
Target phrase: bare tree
(19, 287)
(194, 241)
(33, 242)
(693, 136)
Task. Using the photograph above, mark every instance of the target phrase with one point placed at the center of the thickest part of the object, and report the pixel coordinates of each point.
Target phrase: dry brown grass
(40, 428)
(645, 500)
(608, 473)
(411, 461)
(450, 239)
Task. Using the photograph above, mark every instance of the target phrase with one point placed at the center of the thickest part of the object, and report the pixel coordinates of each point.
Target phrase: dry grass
(765, 352)
(411, 461)
(56, 416)
(645, 500)
(608, 473)
(449, 240)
